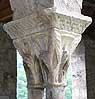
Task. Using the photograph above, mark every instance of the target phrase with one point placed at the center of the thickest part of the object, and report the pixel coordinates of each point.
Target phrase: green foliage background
(21, 84)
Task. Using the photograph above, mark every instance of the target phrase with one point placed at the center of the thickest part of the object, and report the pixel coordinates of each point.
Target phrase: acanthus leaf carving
(51, 37)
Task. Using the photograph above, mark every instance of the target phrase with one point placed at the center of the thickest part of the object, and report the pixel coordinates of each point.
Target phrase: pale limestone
(46, 35)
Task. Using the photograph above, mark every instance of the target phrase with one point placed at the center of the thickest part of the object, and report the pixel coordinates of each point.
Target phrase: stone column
(90, 66)
(79, 88)
(34, 81)
(8, 71)
(45, 37)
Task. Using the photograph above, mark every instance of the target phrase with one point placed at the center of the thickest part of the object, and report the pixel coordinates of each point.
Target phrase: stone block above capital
(22, 8)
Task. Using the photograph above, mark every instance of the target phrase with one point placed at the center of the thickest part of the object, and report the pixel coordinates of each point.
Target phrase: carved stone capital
(51, 38)
(46, 32)
(66, 28)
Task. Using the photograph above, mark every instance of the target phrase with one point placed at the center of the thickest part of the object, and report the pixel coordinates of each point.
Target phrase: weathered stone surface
(79, 88)
(50, 45)
(30, 27)
(45, 35)
(90, 67)
(30, 42)
(35, 93)
(54, 92)
(24, 8)
(88, 9)
(35, 7)
(7, 66)
(31, 24)
(4, 97)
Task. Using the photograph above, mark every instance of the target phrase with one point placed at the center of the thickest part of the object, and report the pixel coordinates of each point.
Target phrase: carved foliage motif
(51, 37)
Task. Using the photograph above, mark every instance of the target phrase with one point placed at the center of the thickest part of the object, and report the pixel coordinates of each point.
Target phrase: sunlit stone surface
(46, 34)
